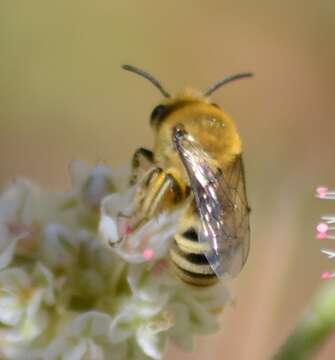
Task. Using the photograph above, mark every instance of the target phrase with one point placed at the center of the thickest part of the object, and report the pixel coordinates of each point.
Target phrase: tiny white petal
(108, 230)
(79, 171)
(16, 197)
(33, 306)
(14, 279)
(329, 253)
(181, 332)
(92, 323)
(203, 321)
(148, 310)
(46, 280)
(11, 310)
(146, 290)
(56, 348)
(94, 351)
(6, 254)
(152, 343)
(76, 352)
(120, 328)
(28, 329)
(115, 203)
(98, 184)
(59, 246)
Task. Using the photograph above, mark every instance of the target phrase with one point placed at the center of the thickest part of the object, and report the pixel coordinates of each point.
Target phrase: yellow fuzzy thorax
(212, 128)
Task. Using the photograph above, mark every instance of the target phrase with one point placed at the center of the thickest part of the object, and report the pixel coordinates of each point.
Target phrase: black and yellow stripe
(188, 259)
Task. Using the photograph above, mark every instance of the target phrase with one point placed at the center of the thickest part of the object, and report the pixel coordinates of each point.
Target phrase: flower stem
(313, 329)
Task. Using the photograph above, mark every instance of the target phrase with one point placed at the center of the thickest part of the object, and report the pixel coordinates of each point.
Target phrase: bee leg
(142, 160)
(143, 185)
(179, 191)
(161, 187)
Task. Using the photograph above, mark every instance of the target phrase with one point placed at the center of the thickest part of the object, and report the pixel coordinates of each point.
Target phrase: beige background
(63, 96)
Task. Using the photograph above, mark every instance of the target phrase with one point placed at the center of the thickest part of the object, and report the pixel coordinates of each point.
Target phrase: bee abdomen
(188, 242)
(194, 278)
(188, 260)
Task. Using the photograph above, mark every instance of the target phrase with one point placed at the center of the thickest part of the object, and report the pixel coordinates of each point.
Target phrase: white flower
(59, 247)
(152, 339)
(86, 337)
(149, 242)
(92, 185)
(17, 219)
(143, 317)
(161, 307)
(65, 295)
(145, 324)
(24, 208)
(24, 300)
(326, 228)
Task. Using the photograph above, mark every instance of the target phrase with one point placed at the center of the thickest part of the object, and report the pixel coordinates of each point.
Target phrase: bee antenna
(147, 76)
(226, 80)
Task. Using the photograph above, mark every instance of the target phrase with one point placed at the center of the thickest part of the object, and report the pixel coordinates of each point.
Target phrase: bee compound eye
(158, 112)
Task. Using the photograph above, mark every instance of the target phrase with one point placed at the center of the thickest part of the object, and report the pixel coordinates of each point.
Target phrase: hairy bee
(196, 162)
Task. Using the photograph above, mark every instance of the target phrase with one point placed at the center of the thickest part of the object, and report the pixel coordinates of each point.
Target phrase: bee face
(171, 105)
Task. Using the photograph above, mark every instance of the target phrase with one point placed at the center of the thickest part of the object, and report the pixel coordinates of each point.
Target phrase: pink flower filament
(148, 254)
(327, 275)
(322, 191)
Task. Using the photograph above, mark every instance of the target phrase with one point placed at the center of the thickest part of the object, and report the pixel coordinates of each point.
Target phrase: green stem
(313, 329)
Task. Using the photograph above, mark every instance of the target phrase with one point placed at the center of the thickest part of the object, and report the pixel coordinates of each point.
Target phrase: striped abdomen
(188, 259)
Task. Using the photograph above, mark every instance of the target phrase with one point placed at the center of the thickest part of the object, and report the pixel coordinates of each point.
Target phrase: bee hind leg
(161, 190)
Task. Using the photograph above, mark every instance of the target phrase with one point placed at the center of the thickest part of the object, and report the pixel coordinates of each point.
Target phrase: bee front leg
(142, 161)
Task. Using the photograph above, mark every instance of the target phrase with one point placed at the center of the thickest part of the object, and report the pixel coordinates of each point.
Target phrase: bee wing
(222, 205)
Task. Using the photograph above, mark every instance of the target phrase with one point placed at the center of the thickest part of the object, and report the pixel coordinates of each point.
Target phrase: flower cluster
(325, 229)
(65, 295)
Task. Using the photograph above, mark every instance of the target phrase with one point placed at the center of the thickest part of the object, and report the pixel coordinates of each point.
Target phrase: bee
(196, 162)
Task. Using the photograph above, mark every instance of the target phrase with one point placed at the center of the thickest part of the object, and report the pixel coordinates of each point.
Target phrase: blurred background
(64, 97)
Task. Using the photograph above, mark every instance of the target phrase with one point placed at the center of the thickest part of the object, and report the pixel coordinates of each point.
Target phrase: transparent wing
(221, 202)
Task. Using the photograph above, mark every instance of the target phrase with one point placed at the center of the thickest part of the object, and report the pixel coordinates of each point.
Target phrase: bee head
(185, 98)
(172, 104)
